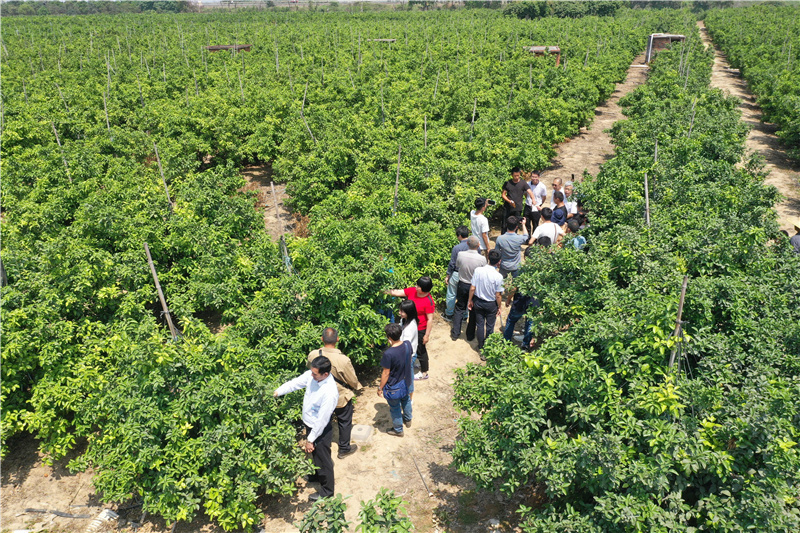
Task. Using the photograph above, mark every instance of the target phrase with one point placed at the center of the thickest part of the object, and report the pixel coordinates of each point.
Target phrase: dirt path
(386, 461)
(592, 146)
(783, 173)
(258, 179)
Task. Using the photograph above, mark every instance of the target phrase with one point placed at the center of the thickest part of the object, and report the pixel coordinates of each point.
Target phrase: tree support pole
(172, 329)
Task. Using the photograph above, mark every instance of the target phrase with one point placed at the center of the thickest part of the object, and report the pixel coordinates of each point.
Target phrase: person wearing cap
(480, 224)
(795, 241)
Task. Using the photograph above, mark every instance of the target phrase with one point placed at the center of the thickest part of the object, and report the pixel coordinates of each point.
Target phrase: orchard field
(94, 109)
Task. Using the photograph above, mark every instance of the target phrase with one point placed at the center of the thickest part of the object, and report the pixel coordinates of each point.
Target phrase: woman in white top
(408, 316)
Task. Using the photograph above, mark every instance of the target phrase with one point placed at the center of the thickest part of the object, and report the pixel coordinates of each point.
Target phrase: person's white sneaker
(419, 375)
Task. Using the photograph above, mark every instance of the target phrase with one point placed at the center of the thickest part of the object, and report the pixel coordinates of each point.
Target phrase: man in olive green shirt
(346, 381)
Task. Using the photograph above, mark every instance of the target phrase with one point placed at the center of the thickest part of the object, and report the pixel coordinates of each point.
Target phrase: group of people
(475, 282)
(476, 273)
(331, 381)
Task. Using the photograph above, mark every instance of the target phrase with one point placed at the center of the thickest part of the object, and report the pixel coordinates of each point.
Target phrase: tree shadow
(464, 507)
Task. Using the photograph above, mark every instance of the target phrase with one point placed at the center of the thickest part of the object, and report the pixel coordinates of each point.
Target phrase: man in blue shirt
(559, 216)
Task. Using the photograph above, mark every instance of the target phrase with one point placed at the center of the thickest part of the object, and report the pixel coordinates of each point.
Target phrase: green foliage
(189, 425)
(620, 442)
(563, 8)
(325, 515)
(21, 8)
(384, 514)
(764, 42)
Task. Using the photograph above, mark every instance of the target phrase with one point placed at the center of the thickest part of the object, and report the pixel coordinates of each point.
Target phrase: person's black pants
(507, 213)
(485, 317)
(462, 297)
(422, 351)
(321, 456)
(344, 418)
(532, 218)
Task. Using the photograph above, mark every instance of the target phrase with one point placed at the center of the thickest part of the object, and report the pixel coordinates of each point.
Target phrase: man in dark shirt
(462, 232)
(396, 376)
(559, 216)
(795, 241)
(514, 191)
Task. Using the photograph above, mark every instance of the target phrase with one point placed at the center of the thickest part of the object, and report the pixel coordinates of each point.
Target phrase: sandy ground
(592, 146)
(386, 461)
(783, 173)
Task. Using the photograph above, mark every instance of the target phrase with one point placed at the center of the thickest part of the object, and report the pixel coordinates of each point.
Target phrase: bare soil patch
(784, 174)
(276, 221)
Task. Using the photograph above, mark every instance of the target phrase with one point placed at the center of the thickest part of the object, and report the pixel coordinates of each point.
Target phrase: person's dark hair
(322, 364)
(494, 257)
(558, 195)
(785, 232)
(410, 309)
(479, 203)
(544, 241)
(547, 213)
(515, 169)
(330, 336)
(425, 283)
(573, 225)
(462, 231)
(511, 223)
(393, 331)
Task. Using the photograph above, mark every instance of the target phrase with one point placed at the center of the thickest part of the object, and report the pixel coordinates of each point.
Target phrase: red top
(424, 307)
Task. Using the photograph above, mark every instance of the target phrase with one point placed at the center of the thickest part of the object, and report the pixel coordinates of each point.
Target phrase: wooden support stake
(425, 123)
(436, 87)
(172, 329)
(277, 211)
(105, 108)
(472, 125)
(284, 250)
(646, 201)
(397, 181)
(61, 149)
(303, 116)
(3, 277)
(141, 95)
(62, 97)
(691, 124)
(163, 180)
(678, 329)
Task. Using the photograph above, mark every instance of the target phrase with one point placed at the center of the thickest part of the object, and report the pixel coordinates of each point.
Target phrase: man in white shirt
(485, 297)
(569, 201)
(318, 404)
(556, 188)
(480, 224)
(533, 209)
(548, 229)
(467, 262)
